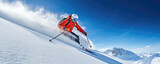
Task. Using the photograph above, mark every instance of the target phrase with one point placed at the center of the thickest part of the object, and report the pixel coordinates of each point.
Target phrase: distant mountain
(108, 51)
(122, 54)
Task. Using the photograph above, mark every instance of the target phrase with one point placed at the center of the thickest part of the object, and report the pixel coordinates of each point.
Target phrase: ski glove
(85, 33)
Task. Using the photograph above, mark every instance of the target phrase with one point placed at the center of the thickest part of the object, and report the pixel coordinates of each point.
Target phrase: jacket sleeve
(62, 24)
(79, 28)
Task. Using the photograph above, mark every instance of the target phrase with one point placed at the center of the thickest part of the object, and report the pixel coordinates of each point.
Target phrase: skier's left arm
(80, 29)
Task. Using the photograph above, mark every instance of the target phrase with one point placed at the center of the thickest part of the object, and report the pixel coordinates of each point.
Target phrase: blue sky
(128, 24)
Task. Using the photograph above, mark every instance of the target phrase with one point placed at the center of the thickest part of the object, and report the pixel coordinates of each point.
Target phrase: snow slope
(20, 46)
(24, 38)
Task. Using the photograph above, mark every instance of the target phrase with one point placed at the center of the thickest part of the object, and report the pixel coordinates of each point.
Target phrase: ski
(87, 50)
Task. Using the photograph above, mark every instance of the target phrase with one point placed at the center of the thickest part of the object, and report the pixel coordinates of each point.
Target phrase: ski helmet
(74, 17)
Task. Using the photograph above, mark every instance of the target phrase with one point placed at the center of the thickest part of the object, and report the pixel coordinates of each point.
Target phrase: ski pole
(88, 41)
(56, 36)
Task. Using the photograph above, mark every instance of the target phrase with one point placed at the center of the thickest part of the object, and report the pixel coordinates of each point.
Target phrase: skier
(67, 24)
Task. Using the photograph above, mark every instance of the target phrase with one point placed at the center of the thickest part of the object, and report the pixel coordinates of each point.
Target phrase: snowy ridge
(153, 59)
(144, 58)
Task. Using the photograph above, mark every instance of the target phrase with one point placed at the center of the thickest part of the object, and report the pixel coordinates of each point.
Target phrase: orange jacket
(68, 25)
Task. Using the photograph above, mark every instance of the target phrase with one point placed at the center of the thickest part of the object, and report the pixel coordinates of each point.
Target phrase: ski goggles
(75, 19)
